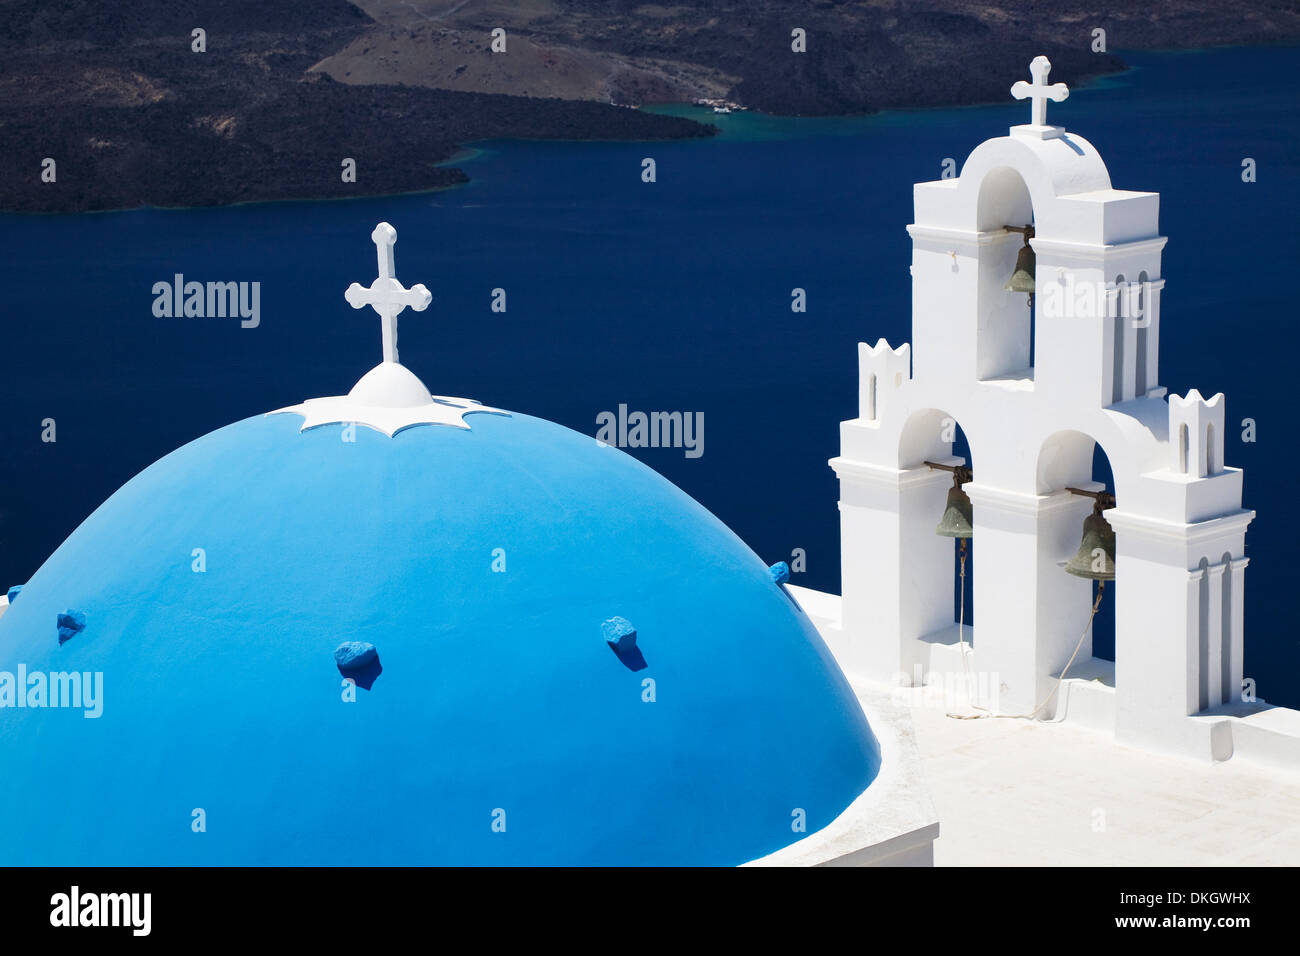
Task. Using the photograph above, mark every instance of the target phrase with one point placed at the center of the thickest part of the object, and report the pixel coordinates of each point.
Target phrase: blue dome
(502, 727)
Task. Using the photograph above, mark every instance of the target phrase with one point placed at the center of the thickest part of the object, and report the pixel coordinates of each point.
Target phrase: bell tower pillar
(896, 572)
(1029, 612)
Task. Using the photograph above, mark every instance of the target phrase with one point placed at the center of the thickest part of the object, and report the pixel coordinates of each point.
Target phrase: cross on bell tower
(1038, 92)
(386, 295)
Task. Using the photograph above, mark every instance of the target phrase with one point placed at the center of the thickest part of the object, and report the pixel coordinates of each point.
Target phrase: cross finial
(386, 295)
(1038, 92)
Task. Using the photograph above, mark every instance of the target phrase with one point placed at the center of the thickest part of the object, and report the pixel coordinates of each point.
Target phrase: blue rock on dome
(358, 660)
(780, 572)
(353, 655)
(619, 633)
(70, 623)
(494, 693)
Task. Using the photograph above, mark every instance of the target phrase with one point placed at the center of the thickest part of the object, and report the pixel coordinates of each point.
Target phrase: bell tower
(1035, 329)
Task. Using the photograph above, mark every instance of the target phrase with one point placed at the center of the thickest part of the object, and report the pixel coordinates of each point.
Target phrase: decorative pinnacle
(1038, 92)
(386, 295)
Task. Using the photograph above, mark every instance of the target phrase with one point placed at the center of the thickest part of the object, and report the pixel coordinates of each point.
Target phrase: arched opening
(1003, 200)
(1184, 439)
(871, 397)
(935, 436)
(1211, 464)
(1072, 459)
(963, 591)
(1005, 335)
(1103, 625)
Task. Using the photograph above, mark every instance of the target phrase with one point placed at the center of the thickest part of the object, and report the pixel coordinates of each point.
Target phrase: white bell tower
(1034, 388)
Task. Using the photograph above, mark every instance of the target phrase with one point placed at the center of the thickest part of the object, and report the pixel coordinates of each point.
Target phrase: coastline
(738, 126)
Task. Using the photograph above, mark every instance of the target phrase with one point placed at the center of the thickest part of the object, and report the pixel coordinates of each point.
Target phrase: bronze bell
(957, 520)
(1022, 279)
(1098, 536)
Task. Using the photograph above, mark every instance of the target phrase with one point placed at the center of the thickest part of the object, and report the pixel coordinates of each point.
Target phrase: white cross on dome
(390, 397)
(386, 295)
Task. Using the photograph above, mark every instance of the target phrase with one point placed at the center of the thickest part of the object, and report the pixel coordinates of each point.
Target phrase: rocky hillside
(132, 116)
(285, 89)
(861, 55)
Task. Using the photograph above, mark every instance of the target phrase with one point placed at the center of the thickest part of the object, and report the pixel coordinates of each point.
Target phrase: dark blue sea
(666, 296)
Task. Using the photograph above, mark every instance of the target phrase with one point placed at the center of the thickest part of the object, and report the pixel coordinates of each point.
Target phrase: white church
(391, 627)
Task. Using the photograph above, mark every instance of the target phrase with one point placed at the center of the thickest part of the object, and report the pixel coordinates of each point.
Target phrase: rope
(961, 644)
(1033, 714)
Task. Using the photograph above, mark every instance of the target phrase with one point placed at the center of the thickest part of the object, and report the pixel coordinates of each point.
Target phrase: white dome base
(388, 398)
(390, 385)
